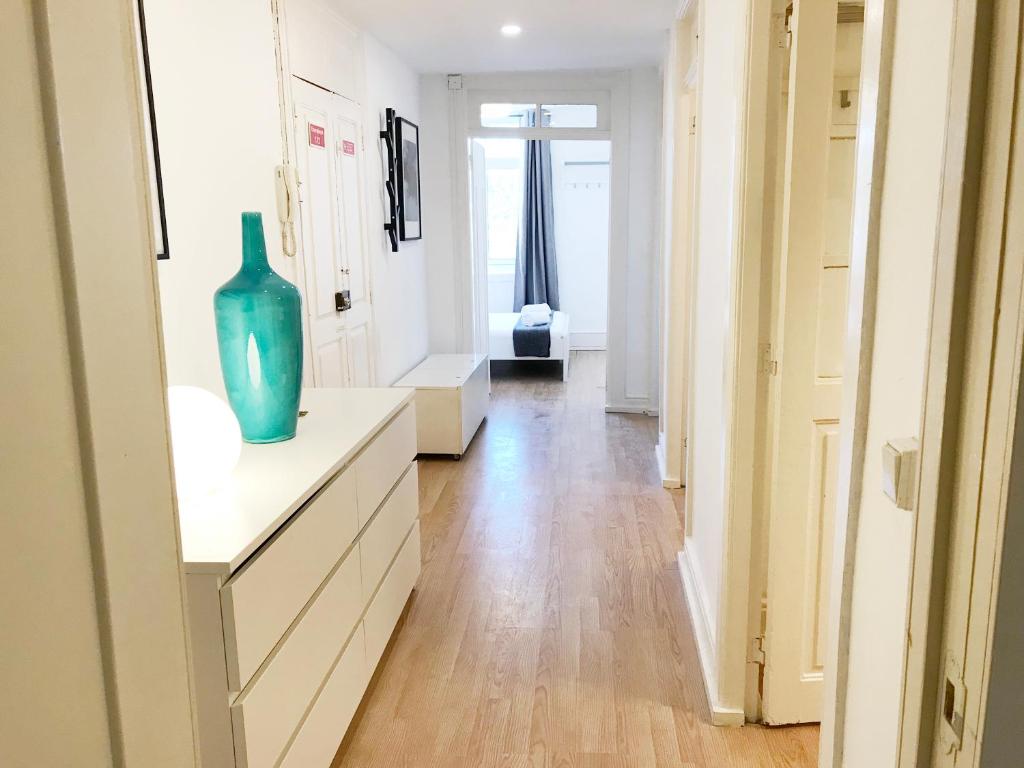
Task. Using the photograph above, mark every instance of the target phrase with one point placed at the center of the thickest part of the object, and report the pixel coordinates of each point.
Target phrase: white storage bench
(452, 394)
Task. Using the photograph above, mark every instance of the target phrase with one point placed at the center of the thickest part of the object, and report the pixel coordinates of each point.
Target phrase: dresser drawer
(386, 532)
(261, 601)
(386, 608)
(383, 461)
(265, 715)
(318, 740)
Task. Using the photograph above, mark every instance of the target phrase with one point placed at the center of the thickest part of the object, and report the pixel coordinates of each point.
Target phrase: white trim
(671, 482)
(626, 408)
(696, 602)
(90, 92)
(977, 158)
(588, 341)
(872, 132)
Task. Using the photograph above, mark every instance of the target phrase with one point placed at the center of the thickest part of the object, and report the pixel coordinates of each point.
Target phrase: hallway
(548, 627)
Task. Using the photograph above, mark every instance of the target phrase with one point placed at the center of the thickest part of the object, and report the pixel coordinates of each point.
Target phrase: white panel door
(815, 252)
(329, 150)
(355, 267)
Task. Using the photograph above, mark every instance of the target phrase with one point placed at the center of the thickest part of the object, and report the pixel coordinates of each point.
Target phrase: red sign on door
(316, 136)
(348, 147)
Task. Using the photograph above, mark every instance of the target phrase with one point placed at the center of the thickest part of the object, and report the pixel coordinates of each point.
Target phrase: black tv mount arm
(390, 186)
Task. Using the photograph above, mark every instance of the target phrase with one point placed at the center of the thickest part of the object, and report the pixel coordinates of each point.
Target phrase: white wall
(399, 279)
(581, 196)
(637, 305)
(910, 203)
(218, 119)
(438, 188)
(219, 124)
(718, 131)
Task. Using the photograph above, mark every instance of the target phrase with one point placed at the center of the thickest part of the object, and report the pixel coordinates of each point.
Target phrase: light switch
(899, 471)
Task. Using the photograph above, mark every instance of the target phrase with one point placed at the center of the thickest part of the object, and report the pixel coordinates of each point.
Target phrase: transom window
(578, 111)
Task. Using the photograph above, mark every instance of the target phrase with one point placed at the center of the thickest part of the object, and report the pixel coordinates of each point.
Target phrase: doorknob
(345, 271)
(342, 301)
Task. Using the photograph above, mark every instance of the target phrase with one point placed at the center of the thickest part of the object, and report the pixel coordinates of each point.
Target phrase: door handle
(342, 301)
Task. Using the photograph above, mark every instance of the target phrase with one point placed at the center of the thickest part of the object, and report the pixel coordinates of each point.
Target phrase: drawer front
(383, 461)
(267, 714)
(318, 740)
(261, 601)
(386, 532)
(384, 612)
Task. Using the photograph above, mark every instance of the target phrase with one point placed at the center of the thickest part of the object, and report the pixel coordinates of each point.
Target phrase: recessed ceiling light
(511, 30)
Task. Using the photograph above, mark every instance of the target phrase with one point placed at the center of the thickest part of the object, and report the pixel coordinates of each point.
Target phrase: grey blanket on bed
(531, 340)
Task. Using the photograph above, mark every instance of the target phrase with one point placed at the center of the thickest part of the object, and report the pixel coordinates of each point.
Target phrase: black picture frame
(163, 249)
(410, 198)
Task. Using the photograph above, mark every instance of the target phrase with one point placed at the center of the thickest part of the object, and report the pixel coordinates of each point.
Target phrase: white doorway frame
(334, 61)
(681, 169)
(107, 425)
(739, 621)
(610, 89)
(976, 314)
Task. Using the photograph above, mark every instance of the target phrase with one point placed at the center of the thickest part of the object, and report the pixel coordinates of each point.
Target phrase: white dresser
(297, 573)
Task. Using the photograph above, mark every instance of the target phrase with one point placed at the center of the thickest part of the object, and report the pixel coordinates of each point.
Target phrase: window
(504, 169)
(569, 115)
(521, 115)
(508, 115)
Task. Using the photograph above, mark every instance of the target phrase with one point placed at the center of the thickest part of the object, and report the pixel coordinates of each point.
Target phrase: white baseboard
(672, 483)
(641, 409)
(696, 603)
(588, 342)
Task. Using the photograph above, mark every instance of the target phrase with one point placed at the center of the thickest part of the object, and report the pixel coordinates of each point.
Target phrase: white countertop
(221, 530)
(442, 371)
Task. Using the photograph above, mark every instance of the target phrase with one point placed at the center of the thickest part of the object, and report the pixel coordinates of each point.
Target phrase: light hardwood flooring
(548, 627)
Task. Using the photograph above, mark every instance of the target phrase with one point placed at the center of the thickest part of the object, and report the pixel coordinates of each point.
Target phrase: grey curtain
(536, 268)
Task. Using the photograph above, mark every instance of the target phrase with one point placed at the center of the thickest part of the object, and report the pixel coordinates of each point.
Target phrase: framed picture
(410, 225)
(156, 183)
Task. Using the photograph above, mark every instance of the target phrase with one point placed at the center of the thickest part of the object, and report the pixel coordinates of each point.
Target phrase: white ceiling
(449, 36)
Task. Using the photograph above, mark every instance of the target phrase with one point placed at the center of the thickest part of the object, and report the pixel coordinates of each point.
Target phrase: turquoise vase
(259, 333)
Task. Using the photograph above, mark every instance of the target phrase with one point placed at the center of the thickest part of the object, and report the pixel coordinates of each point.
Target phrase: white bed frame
(501, 325)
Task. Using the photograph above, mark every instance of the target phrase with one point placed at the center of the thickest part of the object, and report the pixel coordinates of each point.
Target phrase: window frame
(598, 98)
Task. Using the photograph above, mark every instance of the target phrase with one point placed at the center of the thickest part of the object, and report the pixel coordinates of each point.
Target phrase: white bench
(452, 395)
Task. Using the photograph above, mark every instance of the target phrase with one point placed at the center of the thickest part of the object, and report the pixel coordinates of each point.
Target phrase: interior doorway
(334, 261)
(810, 176)
(577, 191)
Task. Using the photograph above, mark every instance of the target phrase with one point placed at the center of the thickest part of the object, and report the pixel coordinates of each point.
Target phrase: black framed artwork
(410, 224)
(163, 250)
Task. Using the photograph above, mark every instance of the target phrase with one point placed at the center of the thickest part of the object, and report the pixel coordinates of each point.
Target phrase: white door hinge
(769, 364)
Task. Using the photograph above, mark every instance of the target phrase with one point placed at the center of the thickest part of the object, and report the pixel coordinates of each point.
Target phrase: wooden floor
(548, 627)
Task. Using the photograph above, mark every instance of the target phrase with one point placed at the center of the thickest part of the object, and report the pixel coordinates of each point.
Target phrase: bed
(501, 325)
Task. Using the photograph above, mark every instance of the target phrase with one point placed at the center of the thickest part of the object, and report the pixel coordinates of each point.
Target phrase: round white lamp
(205, 439)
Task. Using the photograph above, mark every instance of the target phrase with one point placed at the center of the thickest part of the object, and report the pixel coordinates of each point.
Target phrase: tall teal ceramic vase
(259, 332)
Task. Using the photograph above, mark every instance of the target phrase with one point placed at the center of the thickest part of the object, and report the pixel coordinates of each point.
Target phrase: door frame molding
(469, 277)
(744, 597)
(369, 127)
(91, 94)
(872, 140)
(979, 160)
